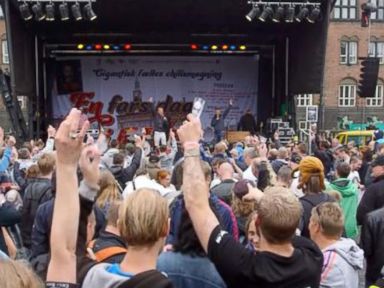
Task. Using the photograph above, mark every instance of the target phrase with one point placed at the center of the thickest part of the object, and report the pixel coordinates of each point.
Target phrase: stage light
(98, 46)
(279, 14)
(25, 12)
(267, 13)
(194, 47)
(303, 13)
(89, 13)
(88, 47)
(80, 46)
(107, 47)
(76, 12)
(50, 12)
(214, 47)
(224, 47)
(127, 46)
(205, 47)
(314, 15)
(64, 12)
(38, 10)
(243, 47)
(232, 47)
(116, 47)
(254, 13)
(290, 14)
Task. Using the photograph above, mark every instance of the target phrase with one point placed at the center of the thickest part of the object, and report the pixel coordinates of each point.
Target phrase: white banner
(115, 91)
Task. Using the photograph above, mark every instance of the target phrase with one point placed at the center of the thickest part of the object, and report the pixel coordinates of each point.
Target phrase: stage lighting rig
(284, 11)
(38, 11)
(254, 13)
(279, 14)
(64, 11)
(89, 13)
(290, 14)
(48, 11)
(25, 11)
(76, 11)
(266, 14)
(303, 13)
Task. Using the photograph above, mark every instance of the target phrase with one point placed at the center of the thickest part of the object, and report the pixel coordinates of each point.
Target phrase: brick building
(347, 41)
(4, 66)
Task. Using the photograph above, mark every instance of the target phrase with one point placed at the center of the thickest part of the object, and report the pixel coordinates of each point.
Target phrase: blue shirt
(115, 269)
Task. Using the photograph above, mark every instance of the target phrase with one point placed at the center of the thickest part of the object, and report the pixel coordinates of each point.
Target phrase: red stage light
(194, 47)
(225, 47)
(127, 46)
(98, 46)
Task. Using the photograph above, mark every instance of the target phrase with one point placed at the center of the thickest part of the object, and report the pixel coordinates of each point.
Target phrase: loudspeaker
(368, 77)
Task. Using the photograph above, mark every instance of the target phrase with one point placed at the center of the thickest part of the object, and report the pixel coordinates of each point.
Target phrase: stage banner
(115, 92)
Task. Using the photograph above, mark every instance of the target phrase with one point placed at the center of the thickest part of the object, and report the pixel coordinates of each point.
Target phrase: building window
(348, 52)
(347, 93)
(376, 49)
(377, 101)
(345, 9)
(379, 14)
(4, 50)
(304, 100)
(304, 125)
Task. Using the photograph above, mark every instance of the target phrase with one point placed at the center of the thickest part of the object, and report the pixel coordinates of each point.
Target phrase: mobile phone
(198, 106)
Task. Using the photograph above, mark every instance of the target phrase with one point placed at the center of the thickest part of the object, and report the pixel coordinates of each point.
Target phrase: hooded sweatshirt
(110, 276)
(342, 262)
(349, 202)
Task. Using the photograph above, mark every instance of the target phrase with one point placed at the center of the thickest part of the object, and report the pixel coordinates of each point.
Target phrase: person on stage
(247, 122)
(217, 122)
(160, 126)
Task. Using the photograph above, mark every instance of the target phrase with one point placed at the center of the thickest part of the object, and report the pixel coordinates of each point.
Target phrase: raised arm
(5, 160)
(195, 188)
(225, 114)
(65, 222)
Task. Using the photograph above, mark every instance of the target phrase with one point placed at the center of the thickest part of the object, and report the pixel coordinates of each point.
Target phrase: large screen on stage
(116, 91)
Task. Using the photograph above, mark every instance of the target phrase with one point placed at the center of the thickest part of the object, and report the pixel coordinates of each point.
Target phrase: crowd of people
(82, 212)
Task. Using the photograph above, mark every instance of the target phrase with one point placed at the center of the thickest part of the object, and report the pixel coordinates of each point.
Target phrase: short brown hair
(143, 218)
(343, 169)
(302, 148)
(329, 216)
(279, 215)
(46, 164)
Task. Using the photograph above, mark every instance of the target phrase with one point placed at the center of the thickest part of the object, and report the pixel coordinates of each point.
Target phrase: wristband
(190, 145)
(192, 153)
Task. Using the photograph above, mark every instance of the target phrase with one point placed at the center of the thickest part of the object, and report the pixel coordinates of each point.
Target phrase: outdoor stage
(172, 51)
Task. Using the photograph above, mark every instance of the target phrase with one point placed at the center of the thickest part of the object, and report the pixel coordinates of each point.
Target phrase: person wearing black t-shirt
(279, 261)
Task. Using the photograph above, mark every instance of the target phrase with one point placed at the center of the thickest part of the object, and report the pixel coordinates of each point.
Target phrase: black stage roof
(172, 21)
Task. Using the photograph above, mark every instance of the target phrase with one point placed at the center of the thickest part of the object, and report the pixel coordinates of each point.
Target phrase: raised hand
(191, 130)
(69, 141)
(230, 102)
(11, 142)
(89, 165)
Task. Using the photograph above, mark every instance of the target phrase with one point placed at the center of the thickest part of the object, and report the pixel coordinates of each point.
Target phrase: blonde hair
(279, 215)
(242, 208)
(46, 164)
(109, 191)
(329, 216)
(16, 274)
(143, 218)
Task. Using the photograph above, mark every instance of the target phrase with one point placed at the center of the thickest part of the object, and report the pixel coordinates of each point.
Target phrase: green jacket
(348, 203)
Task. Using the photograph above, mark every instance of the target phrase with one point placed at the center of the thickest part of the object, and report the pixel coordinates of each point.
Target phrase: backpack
(148, 279)
(106, 252)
